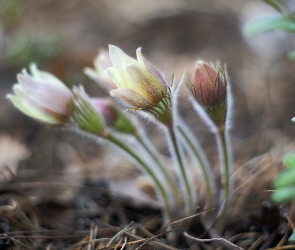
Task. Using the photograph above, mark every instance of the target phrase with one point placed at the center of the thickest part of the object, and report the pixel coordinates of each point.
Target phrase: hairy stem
(168, 177)
(137, 158)
(225, 170)
(208, 182)
(176, 151)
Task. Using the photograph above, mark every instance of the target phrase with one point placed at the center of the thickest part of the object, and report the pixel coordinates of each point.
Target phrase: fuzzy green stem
(164, 171)
(209, 188)
(190, 203)
(224, 161)
(136, 157)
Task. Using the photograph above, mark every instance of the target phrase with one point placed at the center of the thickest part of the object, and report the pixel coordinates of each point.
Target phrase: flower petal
(22, 105)
(118, 56)
(142, 82)
(46, 95)
(131, 97)
(118, 77)
(45, 76)
(102, 61)
(103, 79)
(150, 67)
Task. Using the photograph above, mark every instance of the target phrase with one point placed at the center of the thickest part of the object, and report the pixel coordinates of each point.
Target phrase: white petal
(118, 56)
(118, 77)
(29, 110)
(150, 67)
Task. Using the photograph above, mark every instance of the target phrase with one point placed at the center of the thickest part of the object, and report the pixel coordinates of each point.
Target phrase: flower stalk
(225, 176)
(176, 152)
(168, 213)
(170, 180)
(210, 188)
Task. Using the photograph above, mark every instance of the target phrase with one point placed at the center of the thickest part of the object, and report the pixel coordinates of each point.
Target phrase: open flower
(209, 88)
(101, 62)
(41, 96)
(139, 83)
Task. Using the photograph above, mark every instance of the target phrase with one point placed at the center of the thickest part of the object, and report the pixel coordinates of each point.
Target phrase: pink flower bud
(209, 88)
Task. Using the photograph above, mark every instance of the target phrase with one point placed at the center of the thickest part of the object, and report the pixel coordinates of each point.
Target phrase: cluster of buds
(209, 88)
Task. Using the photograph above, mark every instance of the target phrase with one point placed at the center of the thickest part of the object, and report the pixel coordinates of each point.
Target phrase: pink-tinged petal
(47, 77)
(142, 82)
(102, 61)
(46, 95)
(30, 110)
(210, 72)
(33, 104)
(118, 77)
(118, 56)
(104, 80)
(150, 67)
(133, 98)
(105, 107)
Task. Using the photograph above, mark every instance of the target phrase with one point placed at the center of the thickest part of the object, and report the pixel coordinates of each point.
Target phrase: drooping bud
(209, 87)
(41, 96)
(83, 115)
(113, 115)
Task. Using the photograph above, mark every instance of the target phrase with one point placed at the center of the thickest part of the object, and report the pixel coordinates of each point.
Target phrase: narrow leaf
(283, 195)
(269, 23)
(284, 179)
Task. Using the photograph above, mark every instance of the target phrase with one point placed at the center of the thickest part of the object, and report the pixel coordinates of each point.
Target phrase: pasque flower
(139, 83)
(41, 96)
(209, 87)
(101, 62)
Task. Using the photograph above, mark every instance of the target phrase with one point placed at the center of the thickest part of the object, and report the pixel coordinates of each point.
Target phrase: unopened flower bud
(113, 116)
(41, 96)
(209, 88)
(83, 115)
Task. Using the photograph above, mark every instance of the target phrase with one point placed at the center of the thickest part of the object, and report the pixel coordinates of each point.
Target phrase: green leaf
(270, 23)
(283, 195)
(289, 160)
(284, 179)
(291, 55)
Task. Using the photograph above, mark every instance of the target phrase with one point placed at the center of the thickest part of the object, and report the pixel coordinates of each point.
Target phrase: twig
(222, 241)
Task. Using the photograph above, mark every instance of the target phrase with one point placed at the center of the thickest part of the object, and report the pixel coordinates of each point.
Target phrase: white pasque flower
(41, 96)
(140, 84)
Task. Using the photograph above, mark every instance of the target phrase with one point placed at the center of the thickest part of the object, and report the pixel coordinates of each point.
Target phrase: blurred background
(63, 37)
